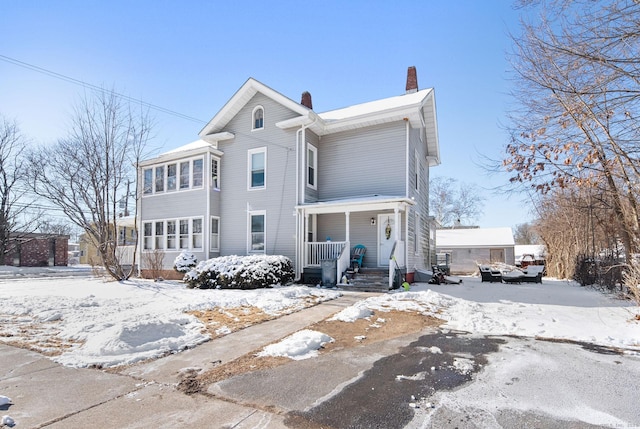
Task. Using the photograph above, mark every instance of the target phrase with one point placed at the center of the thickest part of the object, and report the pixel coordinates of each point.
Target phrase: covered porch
(328, 231)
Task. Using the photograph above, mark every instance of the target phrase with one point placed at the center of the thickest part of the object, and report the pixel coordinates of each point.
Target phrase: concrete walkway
(48, 395)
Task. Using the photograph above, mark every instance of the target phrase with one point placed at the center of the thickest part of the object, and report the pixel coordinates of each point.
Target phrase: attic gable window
(258, 118)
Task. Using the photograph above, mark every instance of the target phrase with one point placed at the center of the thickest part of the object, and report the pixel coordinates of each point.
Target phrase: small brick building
(38, 250)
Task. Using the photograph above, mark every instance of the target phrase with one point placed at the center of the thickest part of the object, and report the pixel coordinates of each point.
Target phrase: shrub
(185, 262)
(241, 272)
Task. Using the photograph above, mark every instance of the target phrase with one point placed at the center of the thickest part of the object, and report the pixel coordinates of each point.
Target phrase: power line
(97, 88)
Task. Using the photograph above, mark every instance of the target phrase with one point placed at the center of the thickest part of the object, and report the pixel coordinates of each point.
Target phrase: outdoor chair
(357, 256)
(488, 274)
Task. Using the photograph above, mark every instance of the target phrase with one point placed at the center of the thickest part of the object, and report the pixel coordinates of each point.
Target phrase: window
(147, 181)
(215, 234)
(184, 233)
(258, 118)
(171, 177)
(257, 232)
(148, 237)
(196, 233)
(197, 173)
(159, 235)
(171, 234)
(312, 166)
(215, 178)
(184, 175)
(160, 179)
(257, 168)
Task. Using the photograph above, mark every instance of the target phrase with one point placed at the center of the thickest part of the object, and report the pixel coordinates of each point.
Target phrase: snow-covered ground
(108, 323)
(111, 323)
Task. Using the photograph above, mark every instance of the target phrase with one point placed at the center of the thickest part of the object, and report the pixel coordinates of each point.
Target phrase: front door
(386, 237)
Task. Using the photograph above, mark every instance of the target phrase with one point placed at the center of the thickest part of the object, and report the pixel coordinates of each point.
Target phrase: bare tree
(577, 75)
(525, 233)
(451, 202)
(17, 218)
(86, 173)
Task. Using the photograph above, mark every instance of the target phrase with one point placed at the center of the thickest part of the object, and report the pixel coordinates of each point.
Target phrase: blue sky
(191, 56)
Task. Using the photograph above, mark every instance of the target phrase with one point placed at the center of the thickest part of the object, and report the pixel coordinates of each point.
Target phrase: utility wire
(97, 88)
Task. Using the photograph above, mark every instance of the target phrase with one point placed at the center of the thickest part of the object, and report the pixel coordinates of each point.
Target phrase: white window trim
(253, 118)
(250, 214)
(313, 149)
(250, 153)
(211, 248)
(177, 162)
(177, 234)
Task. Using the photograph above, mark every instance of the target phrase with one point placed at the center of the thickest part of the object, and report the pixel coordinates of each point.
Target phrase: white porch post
(396, 215)
(347, 226)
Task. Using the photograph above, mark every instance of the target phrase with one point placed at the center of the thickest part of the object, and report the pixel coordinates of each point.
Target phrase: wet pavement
(386, 395)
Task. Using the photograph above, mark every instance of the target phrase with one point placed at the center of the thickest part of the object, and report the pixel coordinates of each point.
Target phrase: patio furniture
(531, 274)
(357, 255)
(489, 274)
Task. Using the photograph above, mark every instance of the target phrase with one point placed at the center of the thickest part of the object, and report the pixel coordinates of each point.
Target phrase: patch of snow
(301, 345)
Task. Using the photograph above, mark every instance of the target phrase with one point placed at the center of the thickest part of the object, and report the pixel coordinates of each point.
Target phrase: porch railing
(319, 251)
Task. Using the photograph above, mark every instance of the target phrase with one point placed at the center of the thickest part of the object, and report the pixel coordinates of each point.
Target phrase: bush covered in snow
(241, 272)
(185, 262)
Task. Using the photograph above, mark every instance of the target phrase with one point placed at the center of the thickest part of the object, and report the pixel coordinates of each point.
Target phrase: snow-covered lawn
(106, 323)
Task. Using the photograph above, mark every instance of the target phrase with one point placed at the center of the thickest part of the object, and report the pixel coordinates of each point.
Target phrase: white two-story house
(270, 175)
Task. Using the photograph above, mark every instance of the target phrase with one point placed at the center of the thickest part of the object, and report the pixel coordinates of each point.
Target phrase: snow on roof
(198, 144)
(537, 250)
(474, 237)
(399, 101)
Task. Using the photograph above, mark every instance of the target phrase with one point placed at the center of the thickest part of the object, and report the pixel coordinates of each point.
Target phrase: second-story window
(184, 175)
(257, 168)
(258, 118)
(160, 179)
(312, 166)
(197, 173)
(215, 175)
(147, 181)
(172, 172)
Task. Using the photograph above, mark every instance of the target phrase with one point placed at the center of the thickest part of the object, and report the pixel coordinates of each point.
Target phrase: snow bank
(301, 345)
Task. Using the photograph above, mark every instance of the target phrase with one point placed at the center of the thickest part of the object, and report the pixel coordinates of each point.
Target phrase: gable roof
(242, 96)
(418, 108)
(474, 237)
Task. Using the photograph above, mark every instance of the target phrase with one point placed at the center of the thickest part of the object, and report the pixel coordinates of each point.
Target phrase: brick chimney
(412, 80)
(306, 100)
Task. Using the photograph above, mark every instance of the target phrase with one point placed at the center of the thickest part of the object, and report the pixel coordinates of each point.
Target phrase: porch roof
(357, 204)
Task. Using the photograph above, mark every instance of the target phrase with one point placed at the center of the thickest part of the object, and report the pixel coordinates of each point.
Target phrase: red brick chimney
(306, 100)
(412, 80)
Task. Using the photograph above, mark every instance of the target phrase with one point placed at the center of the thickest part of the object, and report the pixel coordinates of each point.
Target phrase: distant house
(270, 175)
(37, 250)
(468, 247)
(127, 236)
(530, 254)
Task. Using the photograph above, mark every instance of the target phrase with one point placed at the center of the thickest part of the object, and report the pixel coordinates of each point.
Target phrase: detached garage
(465, 248)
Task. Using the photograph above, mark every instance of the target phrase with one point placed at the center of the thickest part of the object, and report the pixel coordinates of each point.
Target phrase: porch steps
(367, 280)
